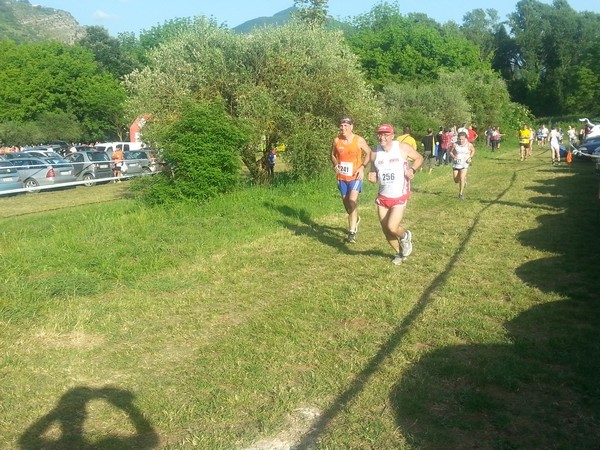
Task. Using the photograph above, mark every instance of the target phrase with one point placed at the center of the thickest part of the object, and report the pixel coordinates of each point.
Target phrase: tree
(107, 51)
(479, 27)
(55, 78)
(394, 49)
(202, 147)
(289, 84)
(551, 41)
(312, 12)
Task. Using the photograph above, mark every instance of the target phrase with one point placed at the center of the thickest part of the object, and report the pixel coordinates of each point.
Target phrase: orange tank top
(349, 157)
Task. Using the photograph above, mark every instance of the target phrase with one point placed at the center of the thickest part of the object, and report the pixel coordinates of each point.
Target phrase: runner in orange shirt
(349, 156)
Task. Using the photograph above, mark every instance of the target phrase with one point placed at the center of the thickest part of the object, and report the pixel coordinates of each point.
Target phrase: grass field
(247, 323)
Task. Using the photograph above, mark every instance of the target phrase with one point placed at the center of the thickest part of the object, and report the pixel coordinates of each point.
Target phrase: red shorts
(387, 202)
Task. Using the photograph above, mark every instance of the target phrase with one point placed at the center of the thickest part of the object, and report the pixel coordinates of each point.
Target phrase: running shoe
(406, 244)
(351, 237)
(461, 196)
(398, 259)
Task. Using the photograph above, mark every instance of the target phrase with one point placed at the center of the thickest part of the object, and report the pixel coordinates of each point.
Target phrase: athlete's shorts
(460, 166)
(387, 202)
(346, 186)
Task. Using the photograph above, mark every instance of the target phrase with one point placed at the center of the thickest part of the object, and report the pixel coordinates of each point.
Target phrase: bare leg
(351, 203)
(390, 219)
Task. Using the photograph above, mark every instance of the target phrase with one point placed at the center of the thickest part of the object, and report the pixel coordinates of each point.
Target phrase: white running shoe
(406, 244)
(398, 259)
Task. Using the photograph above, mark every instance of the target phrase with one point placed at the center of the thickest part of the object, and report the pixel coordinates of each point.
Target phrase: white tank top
(462, 153)
(390, 172)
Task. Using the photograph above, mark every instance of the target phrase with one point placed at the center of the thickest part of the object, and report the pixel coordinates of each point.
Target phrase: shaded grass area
(212, 326)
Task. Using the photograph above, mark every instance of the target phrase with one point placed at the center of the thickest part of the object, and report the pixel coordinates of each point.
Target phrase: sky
(135, 15)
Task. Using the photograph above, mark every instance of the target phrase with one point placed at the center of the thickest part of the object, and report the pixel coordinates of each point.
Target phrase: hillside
(280, 18)
(21, 21)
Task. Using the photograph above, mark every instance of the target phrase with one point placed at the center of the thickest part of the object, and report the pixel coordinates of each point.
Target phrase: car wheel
(146, 171)
(31, 184)
(88, 179)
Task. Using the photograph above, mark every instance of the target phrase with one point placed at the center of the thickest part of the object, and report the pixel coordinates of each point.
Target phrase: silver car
(90, 166)
(139, 162)
(37, 172)
(9, 177)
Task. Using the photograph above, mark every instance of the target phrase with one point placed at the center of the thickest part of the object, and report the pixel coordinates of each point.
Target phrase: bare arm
(366, 153)
(413, 155)
(373, 172)
(333, 155)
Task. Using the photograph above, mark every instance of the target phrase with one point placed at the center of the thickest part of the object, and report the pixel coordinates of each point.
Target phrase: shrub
(202, 148)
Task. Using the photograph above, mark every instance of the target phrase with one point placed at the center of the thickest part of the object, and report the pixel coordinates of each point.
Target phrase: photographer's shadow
(64, 427)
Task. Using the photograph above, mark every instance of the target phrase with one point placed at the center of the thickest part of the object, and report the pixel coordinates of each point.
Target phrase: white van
(109, 147)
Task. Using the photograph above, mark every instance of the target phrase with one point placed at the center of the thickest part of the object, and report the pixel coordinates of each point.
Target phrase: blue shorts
(346, 186)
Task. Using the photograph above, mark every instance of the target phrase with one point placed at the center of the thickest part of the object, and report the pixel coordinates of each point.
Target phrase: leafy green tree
(480, 27)
(288, 84)
(312, 12)
(551, 42)
(394, 49)
(53, 78)
(107, 51)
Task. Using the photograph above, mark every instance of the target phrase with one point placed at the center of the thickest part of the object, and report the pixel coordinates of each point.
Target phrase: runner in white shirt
(555, 146)
(390, 167)
(462, 153)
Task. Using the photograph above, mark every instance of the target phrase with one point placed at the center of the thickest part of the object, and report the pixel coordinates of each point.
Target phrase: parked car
(109, 147)
(589, 146)
(139, 162)
(45, 148)
(147, 160)
(9, 177)
(37, 172)
(90, 166)
(85, 148)
(41, 153)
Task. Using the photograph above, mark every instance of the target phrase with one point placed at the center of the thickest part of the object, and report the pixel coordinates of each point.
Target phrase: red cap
(385, 128)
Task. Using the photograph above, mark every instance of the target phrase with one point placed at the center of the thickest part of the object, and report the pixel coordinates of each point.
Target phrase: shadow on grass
(361, 379)
(63, 428)
(542, 391)
(330, 236)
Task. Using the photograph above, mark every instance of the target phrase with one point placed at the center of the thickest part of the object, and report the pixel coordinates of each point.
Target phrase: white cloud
(101, 15)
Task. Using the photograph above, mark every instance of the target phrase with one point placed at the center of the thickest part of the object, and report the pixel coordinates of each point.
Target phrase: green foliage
(550, 44)
(55, 78)
(393, 48)
(311, 12)
(479, 27)
(202, 147)
(46, 127)
(107, 51)
(280, 82)
(478, 97)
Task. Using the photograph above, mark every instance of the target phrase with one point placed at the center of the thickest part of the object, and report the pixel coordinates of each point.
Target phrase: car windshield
(98, 156)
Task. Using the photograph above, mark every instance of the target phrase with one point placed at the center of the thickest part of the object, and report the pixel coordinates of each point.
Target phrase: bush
(202, 148)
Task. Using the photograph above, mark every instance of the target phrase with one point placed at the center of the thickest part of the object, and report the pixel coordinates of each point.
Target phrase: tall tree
(53, 78)
(479, 27)
(107, 51)
(393, 49)
(289, 84)
(312, 12)
(550, 41)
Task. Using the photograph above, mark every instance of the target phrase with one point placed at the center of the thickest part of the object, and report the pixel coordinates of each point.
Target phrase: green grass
(248, 320)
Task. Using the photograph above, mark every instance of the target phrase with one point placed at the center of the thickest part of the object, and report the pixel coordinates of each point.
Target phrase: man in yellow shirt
(524, 141)
(407, 138)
